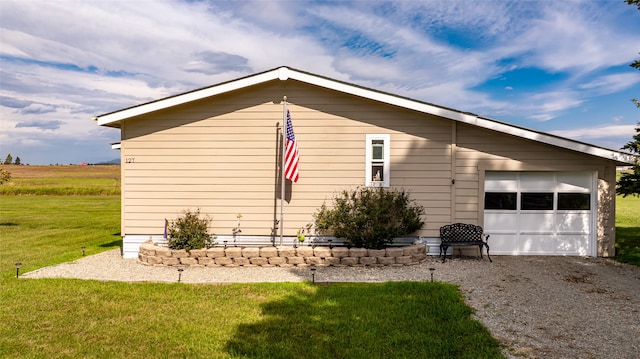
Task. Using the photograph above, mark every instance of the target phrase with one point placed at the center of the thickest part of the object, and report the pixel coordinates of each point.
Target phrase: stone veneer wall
(152, 254)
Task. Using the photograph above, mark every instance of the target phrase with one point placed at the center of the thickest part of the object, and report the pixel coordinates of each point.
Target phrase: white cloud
(596, 133)
(575, 37)
(66, 61)
(611, 83)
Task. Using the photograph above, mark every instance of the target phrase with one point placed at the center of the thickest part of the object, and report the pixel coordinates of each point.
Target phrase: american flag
(291, 153)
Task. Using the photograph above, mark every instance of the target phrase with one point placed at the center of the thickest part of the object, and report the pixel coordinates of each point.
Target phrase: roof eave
(619, 157)
(113, 119)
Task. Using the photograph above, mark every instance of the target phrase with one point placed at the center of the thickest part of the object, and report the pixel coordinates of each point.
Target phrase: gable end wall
(221, 155)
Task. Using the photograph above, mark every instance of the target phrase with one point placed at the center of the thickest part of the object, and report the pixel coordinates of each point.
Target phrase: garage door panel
(501, 221)
(573, 244)
(501, 182)
(537, 222)
(573, 223)
(562, 227)
(537, 244)
(534, 244)
(502, 243)
(573, 182)
(536, 181)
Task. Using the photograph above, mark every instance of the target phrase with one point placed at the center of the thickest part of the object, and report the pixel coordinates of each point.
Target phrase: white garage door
(541, 213)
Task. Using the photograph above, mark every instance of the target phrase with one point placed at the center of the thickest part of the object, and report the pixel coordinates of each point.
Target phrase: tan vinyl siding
(221, 155)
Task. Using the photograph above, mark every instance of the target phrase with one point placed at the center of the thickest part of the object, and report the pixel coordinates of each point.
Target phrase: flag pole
(282, 179)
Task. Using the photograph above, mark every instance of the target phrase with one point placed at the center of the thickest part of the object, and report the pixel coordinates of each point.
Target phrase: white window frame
(386, 163)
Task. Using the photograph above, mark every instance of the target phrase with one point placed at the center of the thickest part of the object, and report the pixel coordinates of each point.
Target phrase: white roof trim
(554, 140)
(285, 73)
(186, 97)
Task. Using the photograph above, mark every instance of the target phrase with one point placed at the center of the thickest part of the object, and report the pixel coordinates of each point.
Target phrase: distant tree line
(9, 160)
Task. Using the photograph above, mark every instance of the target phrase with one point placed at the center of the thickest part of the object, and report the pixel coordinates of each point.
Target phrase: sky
(560, 67)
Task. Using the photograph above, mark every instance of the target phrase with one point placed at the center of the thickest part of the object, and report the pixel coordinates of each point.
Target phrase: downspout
(454, 143)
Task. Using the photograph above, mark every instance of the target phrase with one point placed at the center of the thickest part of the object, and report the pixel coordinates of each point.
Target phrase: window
(501, 200)
(508, 201)
(377, 161)
(574, 201)
(536, 201)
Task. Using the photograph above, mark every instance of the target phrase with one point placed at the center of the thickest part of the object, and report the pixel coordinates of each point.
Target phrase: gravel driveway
(538, 307)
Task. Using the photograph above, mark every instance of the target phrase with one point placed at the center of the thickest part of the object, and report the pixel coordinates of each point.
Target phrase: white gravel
(538, 307)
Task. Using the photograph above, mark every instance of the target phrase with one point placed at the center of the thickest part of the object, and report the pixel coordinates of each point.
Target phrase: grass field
(53, 318)
(628, 229)
(62, 180)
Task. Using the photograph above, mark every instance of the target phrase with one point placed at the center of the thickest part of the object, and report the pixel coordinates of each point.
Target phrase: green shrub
(5, 176)
(190, 231)
(370, 217)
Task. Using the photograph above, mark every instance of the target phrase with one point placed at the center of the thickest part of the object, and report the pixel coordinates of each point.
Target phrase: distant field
(62, 180)
(111, 171)
(105, 181)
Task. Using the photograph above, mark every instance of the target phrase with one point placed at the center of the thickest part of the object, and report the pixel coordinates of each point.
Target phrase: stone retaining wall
(152, 254)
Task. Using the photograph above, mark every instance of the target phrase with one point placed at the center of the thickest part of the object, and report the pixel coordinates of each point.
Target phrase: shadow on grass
(360, 320)
(628, 245)
(115, 243)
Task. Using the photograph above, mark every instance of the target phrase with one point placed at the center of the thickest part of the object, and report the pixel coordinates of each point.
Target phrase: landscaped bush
(5, 176)
(370, 217)
(190, 231)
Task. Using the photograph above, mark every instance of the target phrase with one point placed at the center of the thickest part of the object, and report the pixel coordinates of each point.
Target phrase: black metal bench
(461, 234)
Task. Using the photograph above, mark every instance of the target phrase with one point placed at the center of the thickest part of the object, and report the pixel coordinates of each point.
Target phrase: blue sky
(556, 66)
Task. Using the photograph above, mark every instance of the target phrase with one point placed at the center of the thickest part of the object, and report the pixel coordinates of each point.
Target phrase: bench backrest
(460, 232)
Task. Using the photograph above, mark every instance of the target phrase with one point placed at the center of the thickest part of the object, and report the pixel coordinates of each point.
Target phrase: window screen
(377, 147)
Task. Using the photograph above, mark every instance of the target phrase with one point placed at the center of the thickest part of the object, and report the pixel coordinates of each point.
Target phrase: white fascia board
(187, 97)
(459, 116)
(555, 141)
(285, 73)
(379, 96)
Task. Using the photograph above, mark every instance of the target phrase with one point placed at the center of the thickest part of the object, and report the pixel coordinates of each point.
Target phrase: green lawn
(62, 186)
(628, 229)
(51, 318)
(45, 230)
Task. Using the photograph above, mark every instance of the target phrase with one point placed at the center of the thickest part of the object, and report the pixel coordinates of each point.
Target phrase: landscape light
(180, 274)
(83, 248)
(18, 265)
(313, 273)
(432, 270)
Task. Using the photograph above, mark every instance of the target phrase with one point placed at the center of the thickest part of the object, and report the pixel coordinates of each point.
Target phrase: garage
(541, 213)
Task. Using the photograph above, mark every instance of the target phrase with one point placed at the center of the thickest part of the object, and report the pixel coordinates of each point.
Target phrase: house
(218, 149)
